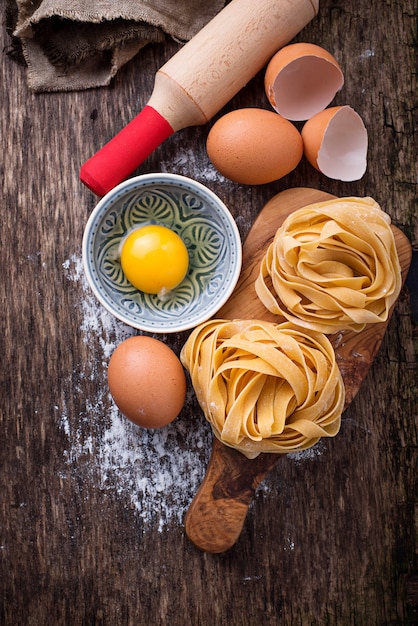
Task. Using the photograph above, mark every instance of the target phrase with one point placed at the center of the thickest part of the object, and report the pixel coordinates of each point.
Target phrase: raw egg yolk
(154, 259)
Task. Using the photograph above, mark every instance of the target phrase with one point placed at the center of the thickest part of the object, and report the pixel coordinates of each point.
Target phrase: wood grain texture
(199, 80)
(330, 538)
(217, 512)
(227, 53)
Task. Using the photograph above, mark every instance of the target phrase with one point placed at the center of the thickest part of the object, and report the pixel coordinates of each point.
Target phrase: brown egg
(335, 142)
(301, 80)
(254, 146)
(147, 381)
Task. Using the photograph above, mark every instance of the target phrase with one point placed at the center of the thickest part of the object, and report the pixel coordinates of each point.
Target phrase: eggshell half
(254, 146)
(147, 381)
(335, 142)
(301, 80)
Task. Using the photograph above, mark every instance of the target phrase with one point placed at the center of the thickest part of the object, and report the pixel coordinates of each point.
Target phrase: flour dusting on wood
(157, 472)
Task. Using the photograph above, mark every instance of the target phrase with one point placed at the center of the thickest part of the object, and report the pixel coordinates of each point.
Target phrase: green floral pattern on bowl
(205, 225)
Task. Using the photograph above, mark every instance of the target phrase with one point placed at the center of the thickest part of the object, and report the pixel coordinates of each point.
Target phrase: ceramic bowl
(205, 225)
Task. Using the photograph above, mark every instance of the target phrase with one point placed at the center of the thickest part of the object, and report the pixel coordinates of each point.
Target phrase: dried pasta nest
(265, 387)
(332, 266)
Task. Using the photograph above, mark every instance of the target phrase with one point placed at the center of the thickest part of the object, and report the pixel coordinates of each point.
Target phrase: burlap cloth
(79, 44)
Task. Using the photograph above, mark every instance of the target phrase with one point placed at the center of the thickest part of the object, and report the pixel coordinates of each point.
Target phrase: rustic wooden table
(92, 507)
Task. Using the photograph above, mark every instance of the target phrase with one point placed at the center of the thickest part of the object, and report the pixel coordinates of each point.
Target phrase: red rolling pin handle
(126, 151)
(199, 80)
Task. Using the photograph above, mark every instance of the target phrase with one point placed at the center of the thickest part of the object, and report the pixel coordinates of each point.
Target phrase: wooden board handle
(215, 518)
(217, 513)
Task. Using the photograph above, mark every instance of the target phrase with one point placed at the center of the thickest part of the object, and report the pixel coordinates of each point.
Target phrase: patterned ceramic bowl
(205, 225)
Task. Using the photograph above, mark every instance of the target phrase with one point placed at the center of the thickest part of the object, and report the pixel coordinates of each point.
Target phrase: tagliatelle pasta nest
(332, 266)
(265, 387)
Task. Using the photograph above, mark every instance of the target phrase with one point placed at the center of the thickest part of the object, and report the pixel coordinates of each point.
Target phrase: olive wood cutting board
(217, 513)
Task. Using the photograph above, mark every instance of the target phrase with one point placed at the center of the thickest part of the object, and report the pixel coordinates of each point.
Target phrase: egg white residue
(156, 473)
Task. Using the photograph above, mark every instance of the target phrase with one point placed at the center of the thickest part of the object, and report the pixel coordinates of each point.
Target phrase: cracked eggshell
(254, 146)
(302, 79)
(335, 142)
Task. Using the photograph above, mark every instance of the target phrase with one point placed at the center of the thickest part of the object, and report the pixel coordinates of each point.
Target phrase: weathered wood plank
(92, 508)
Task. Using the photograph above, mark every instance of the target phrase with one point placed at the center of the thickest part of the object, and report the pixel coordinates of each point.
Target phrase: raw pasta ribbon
(332, 266)
(265, 387)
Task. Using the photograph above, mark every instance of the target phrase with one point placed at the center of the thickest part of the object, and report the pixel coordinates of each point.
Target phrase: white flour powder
(157, 472)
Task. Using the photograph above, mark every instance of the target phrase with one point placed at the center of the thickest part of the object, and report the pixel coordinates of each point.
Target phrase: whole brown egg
(147, 381)
(254, 146)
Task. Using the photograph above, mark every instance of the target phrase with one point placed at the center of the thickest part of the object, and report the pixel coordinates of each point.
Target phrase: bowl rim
(137, 182)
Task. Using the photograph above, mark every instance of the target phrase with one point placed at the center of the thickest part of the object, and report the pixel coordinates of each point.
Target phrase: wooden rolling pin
(199, 80)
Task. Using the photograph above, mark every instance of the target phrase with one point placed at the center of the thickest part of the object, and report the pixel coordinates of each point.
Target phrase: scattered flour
(203, 170)
(367, 54)
(156, 471)
(308, 454)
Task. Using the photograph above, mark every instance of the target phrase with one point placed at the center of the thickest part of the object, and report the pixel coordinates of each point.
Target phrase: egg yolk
(154, 259)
